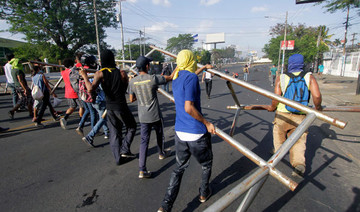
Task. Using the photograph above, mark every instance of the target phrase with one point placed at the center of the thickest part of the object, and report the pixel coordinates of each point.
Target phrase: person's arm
(315, 93)
(47, 84)
(22, 83)
(98, 76)
(169, 78)
(203, 76)
(132, 98)
(199, 70)
(277, 90)
(193, 112)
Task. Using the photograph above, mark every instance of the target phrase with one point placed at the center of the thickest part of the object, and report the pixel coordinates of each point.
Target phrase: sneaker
(39, 125)
(80, 131)
(299, 170)
(128, 155)
(56, 118)
(63, 123)
(161, 209)
(166, 154)
(144, 174)
(203, 199)
(87, 141)
(11, 114)
(106, 137)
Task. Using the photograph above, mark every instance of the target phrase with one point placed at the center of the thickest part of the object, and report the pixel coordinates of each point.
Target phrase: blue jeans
(115, 121)
(145, 137)
(246, 77)
(165, 87)
(13, 93)
(201, 150)
(89, 110)
(100, 108)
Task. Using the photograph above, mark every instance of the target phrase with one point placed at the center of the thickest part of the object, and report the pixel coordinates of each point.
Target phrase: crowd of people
(102, 96)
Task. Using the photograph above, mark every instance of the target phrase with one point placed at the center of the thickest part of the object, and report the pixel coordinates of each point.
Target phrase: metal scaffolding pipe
(257, 160)
(251, 194)
(324, 108)
(238, 190)
(292, 139)
(269, 94)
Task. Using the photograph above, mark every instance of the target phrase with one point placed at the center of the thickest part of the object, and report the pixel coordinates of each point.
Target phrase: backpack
(37, 93)
(297, 91)
(74, 77)
(84, 94)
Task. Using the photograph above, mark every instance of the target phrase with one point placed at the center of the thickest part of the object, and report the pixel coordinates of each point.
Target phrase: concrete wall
(333, 66)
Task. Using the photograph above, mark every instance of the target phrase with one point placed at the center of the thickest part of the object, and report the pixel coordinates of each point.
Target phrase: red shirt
(69, 91)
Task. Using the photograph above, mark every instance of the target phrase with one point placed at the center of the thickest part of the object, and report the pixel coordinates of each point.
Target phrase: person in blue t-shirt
(192, 130)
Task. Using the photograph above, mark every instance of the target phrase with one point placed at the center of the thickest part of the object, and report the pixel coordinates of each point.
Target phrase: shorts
(73, 103)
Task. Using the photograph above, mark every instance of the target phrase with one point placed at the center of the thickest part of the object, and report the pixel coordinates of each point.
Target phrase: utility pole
(122, 33)
(144, 41)
(140, 43)
(317, 51)
(283, 56)
(96, 30)
(353, 39)
(130, 49)
(342, 72)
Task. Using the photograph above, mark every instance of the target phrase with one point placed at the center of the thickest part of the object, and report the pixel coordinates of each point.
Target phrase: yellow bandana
(185, 61)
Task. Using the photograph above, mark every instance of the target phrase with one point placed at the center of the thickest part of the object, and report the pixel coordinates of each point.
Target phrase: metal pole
(285, 45)
(130, 49)
(291, 140)
(96, 30)
(234, 123)
(140, 43)
(122, 35)
(266, 93)
(343, 65)
(238, 190)
(251, 194)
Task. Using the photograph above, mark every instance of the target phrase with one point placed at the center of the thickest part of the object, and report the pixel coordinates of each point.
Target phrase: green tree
(343, 5)
(305, 42)
(68, 24)
(182, 41)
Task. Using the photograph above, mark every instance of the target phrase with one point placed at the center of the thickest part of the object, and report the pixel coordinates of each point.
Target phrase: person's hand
(82, 72)
(208, 66)
(210, 127)
(319, 108)
(269, 108)
(26, 92)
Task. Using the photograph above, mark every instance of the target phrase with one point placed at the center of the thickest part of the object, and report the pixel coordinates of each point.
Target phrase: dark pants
(145, 137)
(45, 103)
(208, 85)
(201, 150)
(115, 121)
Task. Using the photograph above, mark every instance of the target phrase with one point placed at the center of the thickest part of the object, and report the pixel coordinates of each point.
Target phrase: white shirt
(208, 75)
(7, 69)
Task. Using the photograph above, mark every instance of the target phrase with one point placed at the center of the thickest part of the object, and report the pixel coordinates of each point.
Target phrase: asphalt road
(51, 169)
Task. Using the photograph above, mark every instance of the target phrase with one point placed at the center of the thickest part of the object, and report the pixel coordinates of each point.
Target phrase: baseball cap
(142, 61)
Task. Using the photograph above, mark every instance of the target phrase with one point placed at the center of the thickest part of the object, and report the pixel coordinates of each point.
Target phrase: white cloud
(204, 26)
(132, 1)
(259, 9)
(209, 2)
(160, 27)
(161, 2)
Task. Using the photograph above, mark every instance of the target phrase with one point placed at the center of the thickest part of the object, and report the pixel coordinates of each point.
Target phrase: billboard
(215, 38)
(290, 44)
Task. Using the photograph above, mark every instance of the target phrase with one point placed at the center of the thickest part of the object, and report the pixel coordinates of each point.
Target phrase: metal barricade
(254, 182)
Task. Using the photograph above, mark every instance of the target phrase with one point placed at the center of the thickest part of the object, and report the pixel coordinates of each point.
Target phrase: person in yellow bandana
(192, 130)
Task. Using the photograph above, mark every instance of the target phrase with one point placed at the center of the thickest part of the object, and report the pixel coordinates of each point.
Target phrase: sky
(243, 21)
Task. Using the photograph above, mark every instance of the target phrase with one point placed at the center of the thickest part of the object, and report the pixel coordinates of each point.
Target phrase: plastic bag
(56, 102)
(36, 93)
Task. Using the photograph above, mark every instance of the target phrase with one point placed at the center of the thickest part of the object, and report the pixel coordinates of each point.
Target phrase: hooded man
(287, 118)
